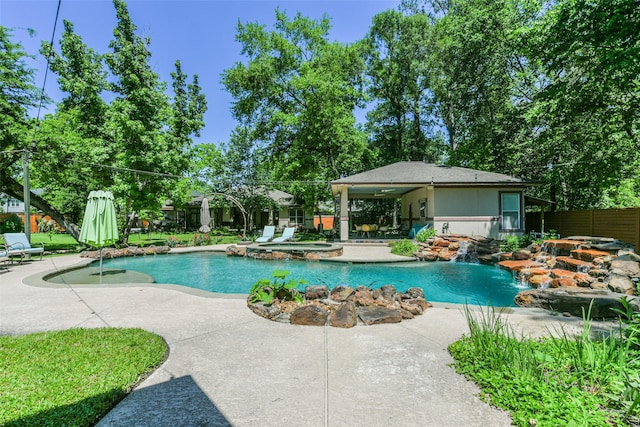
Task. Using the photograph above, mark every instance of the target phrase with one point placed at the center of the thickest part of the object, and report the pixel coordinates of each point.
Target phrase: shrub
(426, 234)
(200, 239)
(172, 241)
(551, 381)
(12, 224)
(550, 235)
(403, 247)
(266, 291)
(510, 244)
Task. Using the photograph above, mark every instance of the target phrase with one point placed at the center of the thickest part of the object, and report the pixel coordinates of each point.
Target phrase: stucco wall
(466, 202)
(457, 210)
(414, 199)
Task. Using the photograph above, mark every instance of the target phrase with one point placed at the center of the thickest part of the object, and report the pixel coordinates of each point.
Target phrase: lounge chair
(267, 234)
(287, 235)
(17, 244)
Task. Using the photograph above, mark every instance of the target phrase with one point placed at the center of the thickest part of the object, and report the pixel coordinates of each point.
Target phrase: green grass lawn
(72, 377)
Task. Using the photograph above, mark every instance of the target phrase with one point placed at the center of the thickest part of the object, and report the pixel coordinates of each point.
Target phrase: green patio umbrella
(99, 225)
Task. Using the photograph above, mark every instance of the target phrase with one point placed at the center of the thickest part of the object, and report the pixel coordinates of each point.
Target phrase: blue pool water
(442, 281)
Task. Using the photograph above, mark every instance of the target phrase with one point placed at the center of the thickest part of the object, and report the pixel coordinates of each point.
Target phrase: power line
(46, 70)
(118, 168)
(168, 175)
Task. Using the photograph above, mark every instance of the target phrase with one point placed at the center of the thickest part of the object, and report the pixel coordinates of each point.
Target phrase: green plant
(172, 241)
(403, 247)
(200, 239)
(630, 315)
(552, 381)
(510, 244)
(266, 291)
(426, 234)
(12, 224)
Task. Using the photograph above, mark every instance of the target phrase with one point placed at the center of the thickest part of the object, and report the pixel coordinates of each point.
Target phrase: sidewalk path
(228, 366)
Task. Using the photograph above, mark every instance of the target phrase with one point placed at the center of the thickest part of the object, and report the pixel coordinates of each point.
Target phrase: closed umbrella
(205, 216)
(99, 225)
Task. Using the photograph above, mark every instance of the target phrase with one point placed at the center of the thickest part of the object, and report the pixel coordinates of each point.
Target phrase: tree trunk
(14, 189)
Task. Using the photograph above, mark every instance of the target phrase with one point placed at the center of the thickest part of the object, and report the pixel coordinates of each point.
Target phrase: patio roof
(393, 180)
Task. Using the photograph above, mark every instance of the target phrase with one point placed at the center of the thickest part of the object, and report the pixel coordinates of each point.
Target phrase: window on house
(296, 216)
(14, 203)
(510, 211)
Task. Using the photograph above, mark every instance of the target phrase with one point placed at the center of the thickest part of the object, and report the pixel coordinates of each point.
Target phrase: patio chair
(287, 235)
(17, 244)
(267, 234)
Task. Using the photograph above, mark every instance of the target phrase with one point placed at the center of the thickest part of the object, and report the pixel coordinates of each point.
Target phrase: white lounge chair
(267, 234)
(287, 235)
(17, 244)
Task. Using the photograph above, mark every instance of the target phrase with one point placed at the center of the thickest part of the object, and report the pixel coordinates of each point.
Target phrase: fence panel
(621, 224)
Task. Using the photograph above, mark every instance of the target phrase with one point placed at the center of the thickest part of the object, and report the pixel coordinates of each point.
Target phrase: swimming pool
(450, 282)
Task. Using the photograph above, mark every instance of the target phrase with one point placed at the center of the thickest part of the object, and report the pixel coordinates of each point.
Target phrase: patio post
(344, 213)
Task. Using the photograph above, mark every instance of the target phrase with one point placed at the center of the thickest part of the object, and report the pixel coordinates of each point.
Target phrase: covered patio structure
(451, 199)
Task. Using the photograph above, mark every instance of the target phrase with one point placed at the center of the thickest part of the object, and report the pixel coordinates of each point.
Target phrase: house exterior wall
(10, 204)
(472, 211)
(412, 202)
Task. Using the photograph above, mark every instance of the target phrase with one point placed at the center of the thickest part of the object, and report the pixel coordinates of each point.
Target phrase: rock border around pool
(345, 307)
(295, 250)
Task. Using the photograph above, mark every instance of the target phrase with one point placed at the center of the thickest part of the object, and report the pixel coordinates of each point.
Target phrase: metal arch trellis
(242, 210)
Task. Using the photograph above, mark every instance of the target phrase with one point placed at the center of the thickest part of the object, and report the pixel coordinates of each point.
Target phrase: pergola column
(344, 213)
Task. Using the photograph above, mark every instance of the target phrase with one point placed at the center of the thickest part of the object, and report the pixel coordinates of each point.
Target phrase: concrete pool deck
(228, 366)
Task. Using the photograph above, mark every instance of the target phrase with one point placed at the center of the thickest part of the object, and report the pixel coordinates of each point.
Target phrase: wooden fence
(621, 224)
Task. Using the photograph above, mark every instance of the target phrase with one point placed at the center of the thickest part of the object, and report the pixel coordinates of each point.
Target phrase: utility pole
(27, 197)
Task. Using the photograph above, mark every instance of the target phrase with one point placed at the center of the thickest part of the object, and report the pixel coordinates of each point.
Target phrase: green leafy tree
(475, 79)
(18, 93)
(135, 120)
(401, 120)
(73, 139)
(587, 110)
(296, 94)
(137, 145)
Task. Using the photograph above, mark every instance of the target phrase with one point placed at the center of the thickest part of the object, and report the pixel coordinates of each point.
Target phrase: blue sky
(200, 33)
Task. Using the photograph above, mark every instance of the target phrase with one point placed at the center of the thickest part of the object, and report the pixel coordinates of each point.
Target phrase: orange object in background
(327, 222)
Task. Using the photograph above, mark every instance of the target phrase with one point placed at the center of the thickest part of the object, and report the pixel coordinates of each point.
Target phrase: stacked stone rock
(451, 247)
(346, 307)
(572, 274)
(124, 252)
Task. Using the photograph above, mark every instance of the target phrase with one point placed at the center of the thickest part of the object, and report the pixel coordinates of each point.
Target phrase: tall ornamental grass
(562, 380)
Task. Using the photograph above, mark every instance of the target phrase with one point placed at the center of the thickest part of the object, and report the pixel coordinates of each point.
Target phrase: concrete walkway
(228, 366)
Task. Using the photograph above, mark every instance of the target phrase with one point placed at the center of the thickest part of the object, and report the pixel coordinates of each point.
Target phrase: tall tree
(588, 110)
(137, 118)
(73, 139)
(401, 119)
(187, 119)
(472, 60)
(18, 94)
(297, 93)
